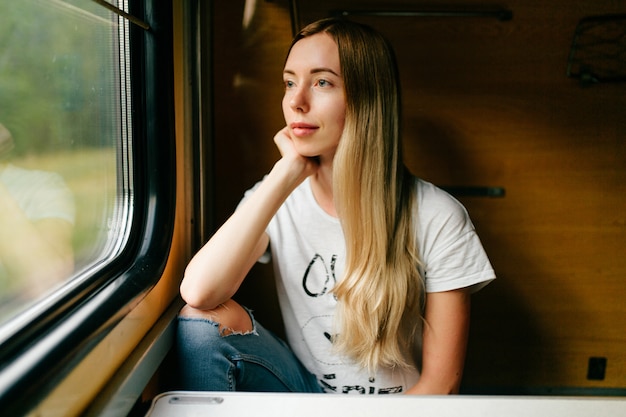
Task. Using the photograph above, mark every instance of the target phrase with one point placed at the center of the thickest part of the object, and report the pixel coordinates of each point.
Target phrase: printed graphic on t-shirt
(338, 374)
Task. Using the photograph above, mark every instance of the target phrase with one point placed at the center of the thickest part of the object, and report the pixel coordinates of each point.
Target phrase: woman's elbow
(190, 292)
(200, 293)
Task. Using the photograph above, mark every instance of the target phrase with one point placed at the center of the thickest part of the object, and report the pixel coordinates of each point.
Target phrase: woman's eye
(288, 84)
(323, 83)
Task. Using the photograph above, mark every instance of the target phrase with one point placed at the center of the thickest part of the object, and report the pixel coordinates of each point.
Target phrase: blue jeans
(256, 361)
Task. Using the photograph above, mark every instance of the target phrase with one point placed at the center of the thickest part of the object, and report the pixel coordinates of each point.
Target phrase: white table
(218, 404)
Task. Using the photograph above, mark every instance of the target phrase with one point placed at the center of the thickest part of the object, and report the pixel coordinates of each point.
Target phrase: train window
(65, 126)
(86, 176)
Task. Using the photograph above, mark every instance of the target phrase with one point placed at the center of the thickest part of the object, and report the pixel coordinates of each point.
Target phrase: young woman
(374, 267)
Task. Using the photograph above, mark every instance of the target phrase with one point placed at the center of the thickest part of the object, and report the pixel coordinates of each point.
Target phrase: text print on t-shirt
(317, 331)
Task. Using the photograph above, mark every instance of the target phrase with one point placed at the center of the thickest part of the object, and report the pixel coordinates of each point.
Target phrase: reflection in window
(64, 134)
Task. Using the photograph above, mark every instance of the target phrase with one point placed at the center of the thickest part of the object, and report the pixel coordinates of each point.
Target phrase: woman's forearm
(218, 269)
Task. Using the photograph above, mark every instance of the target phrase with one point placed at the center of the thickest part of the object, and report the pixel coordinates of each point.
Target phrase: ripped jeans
(258, 361)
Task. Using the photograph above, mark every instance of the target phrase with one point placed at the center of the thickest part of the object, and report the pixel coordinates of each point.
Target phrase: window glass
(64, 147)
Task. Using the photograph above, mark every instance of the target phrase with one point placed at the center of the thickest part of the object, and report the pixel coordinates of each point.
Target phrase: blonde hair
(380, 295)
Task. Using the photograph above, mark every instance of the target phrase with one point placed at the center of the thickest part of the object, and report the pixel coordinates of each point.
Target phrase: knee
(230, 316)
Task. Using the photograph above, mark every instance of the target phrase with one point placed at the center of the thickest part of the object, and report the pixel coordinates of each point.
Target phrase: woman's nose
(300, 100)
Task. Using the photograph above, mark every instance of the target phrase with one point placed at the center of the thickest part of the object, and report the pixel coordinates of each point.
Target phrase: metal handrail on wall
(500, 14)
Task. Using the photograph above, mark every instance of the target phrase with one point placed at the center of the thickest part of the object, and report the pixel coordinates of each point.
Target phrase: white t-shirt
(308, 252)
(40, 195)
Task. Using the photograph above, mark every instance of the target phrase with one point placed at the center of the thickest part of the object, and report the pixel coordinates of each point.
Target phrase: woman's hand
(300, 165)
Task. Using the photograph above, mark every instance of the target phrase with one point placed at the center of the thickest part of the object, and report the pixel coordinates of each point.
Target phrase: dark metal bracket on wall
(598, 51)
(475, 191)
(500, 14)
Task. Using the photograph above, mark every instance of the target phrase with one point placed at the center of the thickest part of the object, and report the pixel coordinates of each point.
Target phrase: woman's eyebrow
(318, 70)
(314, 71)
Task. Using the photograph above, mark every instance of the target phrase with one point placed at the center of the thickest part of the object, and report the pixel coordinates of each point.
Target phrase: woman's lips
(302, 129)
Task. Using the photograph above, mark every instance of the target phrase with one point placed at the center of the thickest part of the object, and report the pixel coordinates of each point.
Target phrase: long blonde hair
(380, 295)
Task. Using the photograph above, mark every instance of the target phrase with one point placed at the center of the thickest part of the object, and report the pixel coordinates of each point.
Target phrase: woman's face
(314, 104)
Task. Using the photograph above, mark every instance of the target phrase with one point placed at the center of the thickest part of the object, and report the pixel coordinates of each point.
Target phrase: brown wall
(487, 103)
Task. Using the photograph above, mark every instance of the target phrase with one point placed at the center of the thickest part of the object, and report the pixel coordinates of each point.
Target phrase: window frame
(38, 356)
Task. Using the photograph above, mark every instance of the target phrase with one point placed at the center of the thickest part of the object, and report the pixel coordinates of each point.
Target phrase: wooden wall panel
(249, 50)
(487, 103)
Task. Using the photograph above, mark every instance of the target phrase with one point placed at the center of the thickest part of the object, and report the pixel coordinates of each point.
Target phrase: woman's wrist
(290, 173)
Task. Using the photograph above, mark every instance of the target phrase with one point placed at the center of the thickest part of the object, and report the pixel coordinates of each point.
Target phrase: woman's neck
(322, 187)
